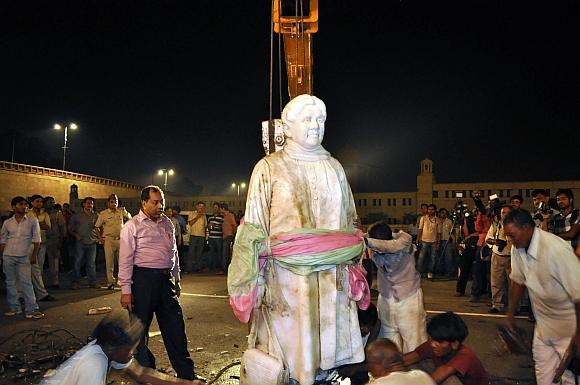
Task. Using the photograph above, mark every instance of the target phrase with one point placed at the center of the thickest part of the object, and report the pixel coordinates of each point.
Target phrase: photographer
(500, 261)
(544, 208)
(566, 223)
(481, 267)
(470, 238)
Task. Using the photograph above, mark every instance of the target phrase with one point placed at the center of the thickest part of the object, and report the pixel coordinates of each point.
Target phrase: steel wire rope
(303, 42)
(271, 61)
(280, 60)
(296, 45)
(271, 75)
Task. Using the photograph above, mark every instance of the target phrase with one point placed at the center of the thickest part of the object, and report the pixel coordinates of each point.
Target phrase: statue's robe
(313, 318)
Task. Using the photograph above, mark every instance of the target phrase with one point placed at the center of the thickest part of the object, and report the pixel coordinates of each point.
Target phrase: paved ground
(216, 338)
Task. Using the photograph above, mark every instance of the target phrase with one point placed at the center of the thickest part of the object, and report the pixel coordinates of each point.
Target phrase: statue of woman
(294, 251)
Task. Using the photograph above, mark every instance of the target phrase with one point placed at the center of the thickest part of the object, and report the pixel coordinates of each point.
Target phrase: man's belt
(152, 270)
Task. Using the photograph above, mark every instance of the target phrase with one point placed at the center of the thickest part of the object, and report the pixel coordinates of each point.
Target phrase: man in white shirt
(16, 237)
(385, 364)
(546, 265)
(114, 341)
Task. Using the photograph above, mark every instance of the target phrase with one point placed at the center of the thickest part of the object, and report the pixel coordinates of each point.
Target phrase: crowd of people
(532, 259)
(70, 242)
(41, 239)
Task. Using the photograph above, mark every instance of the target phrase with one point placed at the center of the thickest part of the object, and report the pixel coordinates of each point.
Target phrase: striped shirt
(560, 224)
(215, 226)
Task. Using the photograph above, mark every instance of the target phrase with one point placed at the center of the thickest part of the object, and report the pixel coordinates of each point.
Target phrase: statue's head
(303, 119)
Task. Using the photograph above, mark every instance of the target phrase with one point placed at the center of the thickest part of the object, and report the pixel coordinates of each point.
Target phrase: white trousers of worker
(547, 357)
(403, 322)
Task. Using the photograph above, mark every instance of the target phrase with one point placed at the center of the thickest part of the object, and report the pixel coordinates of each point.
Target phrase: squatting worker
(114, 341)
(545, 264)
(149, 280)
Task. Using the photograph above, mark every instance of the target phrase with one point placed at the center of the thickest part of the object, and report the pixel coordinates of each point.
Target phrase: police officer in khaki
(108, 228)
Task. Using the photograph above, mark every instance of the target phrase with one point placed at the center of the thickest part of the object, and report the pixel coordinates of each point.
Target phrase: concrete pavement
(216, 338)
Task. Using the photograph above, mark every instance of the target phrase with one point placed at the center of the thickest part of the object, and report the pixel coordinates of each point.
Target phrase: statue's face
(308, 128)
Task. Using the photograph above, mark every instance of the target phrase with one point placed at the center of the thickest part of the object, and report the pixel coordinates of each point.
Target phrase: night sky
(486, 89)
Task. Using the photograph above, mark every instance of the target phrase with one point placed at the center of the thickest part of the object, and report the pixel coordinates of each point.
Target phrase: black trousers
(154, 293)
(465, 267)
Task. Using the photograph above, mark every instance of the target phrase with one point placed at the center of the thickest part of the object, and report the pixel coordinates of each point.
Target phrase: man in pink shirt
(149, 280)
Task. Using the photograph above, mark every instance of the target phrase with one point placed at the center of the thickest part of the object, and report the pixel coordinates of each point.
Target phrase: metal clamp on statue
(295, 254)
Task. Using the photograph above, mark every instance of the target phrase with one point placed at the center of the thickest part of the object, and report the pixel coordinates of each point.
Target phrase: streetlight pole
(73, 126)
(238, 185)
(166, 172)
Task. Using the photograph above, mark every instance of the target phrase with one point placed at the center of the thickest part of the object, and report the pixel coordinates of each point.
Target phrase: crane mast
(295, 21)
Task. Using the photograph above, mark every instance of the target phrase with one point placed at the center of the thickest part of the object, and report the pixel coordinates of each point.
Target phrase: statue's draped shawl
(302, 251)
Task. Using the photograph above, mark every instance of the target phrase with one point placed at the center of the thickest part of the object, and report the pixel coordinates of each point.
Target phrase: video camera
(542, 209)
(459, 210)
(495, 205)
(501, 244)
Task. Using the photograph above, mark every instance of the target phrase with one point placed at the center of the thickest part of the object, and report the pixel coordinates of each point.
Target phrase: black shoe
(111, 287)
(493, 310)
(48, 298)
(459, 294)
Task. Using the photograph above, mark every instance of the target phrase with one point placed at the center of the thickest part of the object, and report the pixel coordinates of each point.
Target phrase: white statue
(299, 190)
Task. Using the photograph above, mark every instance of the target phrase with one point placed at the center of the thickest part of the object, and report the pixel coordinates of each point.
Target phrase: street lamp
(166, 172)
(72, 126)
(238, 185)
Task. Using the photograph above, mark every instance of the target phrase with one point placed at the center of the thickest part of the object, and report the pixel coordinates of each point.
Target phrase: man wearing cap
(108, 229)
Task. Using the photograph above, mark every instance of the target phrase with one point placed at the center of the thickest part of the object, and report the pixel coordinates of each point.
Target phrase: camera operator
(544, 208)
(566, 223)
(479, 288)
(500, 261)
(470, 237)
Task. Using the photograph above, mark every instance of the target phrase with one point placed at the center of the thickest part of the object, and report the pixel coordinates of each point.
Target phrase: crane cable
(271, 60)
(271, 77)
